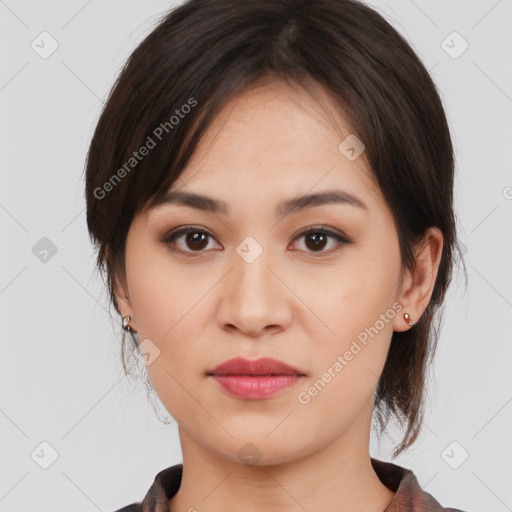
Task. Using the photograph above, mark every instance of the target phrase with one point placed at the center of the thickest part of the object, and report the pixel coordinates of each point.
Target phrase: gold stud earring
(408, 319)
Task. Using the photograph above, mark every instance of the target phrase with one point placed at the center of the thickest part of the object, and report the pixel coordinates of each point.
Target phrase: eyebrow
(283, 209)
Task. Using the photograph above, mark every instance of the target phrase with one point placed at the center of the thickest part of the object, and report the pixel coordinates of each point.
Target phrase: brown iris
(318, 240)
(197, 240)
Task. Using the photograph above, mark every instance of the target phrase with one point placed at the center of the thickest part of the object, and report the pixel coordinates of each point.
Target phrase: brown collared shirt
(409, 497)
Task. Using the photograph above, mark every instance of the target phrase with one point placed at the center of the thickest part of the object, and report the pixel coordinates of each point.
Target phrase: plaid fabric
(409, 497)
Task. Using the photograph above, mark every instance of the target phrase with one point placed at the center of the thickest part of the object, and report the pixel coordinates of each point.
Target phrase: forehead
(280, 132)
(274, 141)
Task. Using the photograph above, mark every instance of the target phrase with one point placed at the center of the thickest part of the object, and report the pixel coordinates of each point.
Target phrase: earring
(407, 318)
(126, 321)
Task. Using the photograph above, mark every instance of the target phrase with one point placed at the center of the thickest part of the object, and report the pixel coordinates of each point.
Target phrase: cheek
(354, 303)
(350, 296)
(171, 307)
(348, 365)
(164, 295)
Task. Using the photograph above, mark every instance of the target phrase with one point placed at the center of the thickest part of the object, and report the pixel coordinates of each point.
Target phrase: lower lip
(254, 387)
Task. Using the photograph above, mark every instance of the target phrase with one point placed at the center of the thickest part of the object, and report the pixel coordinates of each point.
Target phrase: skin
(292, 303)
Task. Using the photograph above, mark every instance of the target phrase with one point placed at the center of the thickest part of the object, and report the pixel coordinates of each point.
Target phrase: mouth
(255, 380)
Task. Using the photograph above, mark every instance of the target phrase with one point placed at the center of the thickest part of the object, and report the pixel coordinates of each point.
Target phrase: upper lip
(262, 366)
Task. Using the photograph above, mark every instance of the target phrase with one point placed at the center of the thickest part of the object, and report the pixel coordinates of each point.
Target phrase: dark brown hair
(204, 52)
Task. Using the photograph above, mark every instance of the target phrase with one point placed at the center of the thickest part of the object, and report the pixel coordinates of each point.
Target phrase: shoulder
(409, 496)
(165, 485)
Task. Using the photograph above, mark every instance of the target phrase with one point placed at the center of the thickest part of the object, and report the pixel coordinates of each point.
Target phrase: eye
(317, 238)
(196, 240)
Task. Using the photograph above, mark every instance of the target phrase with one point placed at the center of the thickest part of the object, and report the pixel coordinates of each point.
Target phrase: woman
(270, 188)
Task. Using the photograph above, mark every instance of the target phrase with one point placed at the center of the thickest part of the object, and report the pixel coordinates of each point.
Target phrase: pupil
(318, 240)
(197, 239)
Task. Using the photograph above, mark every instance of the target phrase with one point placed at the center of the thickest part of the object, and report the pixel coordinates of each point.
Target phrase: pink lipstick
(256, 379)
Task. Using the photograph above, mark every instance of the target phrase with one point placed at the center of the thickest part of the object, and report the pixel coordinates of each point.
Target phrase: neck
(338, 476)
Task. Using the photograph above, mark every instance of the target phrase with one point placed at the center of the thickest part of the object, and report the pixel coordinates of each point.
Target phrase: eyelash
(173, 235)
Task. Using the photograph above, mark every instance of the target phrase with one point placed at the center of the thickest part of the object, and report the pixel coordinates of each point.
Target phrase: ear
(418, 285)
(123, 299)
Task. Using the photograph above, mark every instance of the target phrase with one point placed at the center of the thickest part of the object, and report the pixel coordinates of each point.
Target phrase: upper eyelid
(184, 229)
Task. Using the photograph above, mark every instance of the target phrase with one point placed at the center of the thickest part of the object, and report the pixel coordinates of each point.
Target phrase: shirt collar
(409, 497)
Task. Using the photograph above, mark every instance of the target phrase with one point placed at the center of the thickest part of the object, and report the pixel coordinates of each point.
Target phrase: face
(314, 285)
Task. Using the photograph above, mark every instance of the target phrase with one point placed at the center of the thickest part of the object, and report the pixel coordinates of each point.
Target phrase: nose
(255, 299)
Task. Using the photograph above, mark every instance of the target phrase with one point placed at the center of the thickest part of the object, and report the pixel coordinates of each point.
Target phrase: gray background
(61, 379)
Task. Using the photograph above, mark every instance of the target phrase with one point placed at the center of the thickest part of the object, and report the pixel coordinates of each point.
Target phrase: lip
(254, 380)
(264, 366)
(255, 387)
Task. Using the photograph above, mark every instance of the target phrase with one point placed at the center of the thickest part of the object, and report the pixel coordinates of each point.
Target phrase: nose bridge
(254, 298)
(251, 275)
